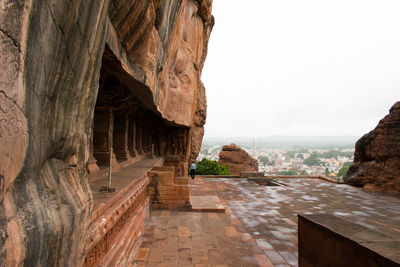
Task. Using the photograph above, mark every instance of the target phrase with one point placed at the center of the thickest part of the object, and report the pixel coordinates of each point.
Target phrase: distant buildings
(284, 161)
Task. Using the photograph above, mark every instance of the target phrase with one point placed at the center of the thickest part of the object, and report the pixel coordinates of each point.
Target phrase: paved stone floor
(259, 227)
(120, 180)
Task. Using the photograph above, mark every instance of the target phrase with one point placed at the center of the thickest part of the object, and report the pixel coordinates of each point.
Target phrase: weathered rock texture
(53, 55)
(376, 164)
(237, 160)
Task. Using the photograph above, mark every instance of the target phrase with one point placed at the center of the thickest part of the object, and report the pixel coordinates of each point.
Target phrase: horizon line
(280, 136)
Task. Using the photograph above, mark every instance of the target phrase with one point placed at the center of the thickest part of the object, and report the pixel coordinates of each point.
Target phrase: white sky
(300, 67)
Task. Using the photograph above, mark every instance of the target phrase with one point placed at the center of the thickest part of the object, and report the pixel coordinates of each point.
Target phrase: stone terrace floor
(259, 227)
(120, 180)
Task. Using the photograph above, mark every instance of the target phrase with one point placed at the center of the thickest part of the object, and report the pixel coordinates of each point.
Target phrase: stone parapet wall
(218, 176)
(247, 174)
(179, 164)
(257, 174)
(117, 225)
(167, 191)
(321, 177)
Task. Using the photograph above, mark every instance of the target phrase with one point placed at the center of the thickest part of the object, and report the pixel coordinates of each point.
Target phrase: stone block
(326, 240)
(167, 191)
(165, 174)
(164, 168)
(166, 181)
(181, 181)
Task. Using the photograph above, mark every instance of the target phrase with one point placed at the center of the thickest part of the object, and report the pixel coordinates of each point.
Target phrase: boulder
(237, 160)
(376, 165)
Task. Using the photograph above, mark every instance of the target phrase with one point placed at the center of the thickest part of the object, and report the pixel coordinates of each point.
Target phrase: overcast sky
(301, 68)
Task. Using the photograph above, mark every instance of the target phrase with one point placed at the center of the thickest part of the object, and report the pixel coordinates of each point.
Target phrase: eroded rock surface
(237, 160)
(52, 59)
(376, 164)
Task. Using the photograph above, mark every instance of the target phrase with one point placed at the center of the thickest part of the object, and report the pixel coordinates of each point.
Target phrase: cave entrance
(127, 131)
(123, 130)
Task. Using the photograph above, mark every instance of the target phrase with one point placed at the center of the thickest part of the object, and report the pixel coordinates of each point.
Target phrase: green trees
(211, 167)
(289, 154)
(343, 171)
(312, 160)
(335, 154)
(265, 161)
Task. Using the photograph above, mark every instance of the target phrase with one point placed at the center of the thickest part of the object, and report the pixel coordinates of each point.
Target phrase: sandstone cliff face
(376, 164)
(51, 61)
(237, 160)
(167, 40)
(164, 47)
(51, 57)
(199, 120)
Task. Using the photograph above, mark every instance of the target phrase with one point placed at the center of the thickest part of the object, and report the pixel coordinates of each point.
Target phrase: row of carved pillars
(128, 136)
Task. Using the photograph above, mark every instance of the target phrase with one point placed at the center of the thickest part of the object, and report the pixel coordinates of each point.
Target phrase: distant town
(293, 156)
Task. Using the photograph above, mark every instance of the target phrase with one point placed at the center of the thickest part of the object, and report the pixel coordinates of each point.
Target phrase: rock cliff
(237, 160)
(57, 57)
(376, 164)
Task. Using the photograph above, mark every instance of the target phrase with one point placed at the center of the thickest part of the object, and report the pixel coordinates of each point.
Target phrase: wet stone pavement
(259, 227)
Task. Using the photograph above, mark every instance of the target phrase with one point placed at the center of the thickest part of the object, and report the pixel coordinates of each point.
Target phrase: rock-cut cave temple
(85, 84)
(106, 94)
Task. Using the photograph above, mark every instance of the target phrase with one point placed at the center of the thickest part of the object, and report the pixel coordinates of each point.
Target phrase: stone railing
(218, 176)
(258, 175)
(117, 225)
(320, 177)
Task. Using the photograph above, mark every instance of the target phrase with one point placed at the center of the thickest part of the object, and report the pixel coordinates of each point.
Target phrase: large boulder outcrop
(376, 164)
(237, 160)
(52, 54)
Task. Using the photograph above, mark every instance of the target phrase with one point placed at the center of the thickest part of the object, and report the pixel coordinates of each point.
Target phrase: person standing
(193, 168)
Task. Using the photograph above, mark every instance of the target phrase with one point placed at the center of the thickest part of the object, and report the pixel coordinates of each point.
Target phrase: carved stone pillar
(156, 141)
(146, 141)
(163, 145)
(144, 138)
(92, 165)
(139, 135)
(120, 135)
(149, 139)
(132, 137)
(102, 135)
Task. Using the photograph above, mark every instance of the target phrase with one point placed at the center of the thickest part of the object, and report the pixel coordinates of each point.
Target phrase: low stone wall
(117, 225)
(167, 191)
(218, 176)
(324, 178)
(326, 240)
(178, 163)
(247, 175)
